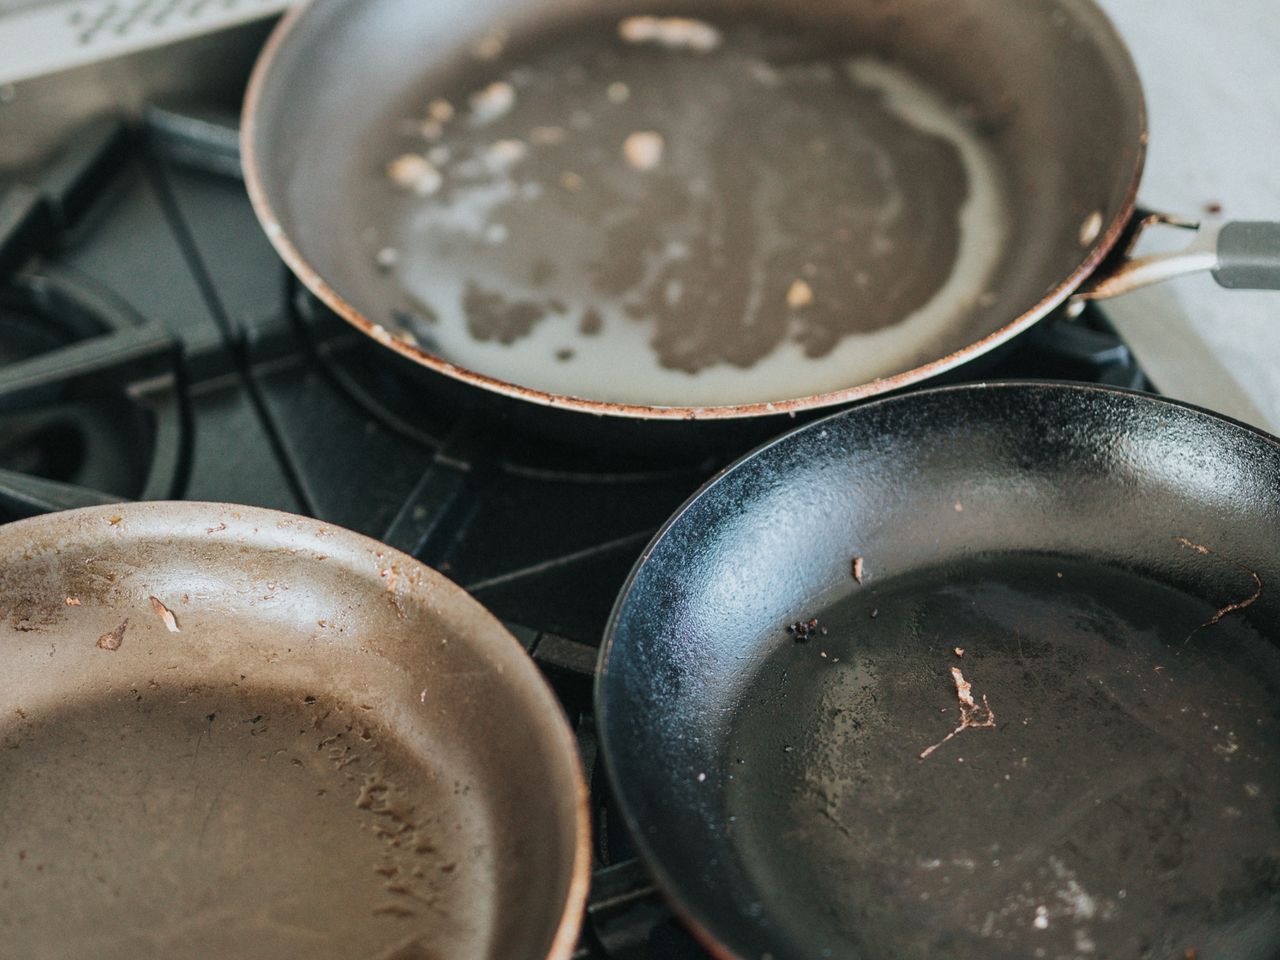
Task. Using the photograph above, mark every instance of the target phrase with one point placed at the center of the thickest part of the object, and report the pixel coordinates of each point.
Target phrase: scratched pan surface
(334, 753)
(1101, 568)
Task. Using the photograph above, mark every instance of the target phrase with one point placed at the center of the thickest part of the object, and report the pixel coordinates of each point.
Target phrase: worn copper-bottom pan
(748, 209)
(696, 219)
(237, 733)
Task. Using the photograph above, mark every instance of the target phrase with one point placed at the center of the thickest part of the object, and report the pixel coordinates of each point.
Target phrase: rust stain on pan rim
(312, 280)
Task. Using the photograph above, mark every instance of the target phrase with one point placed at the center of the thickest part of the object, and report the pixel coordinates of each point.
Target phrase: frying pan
(755, 182)
(307, 744)
(1084, 579)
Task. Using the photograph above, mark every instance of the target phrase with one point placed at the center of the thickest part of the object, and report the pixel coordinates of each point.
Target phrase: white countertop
(1211, 72)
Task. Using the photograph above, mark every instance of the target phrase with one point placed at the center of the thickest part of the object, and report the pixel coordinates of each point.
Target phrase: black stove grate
(152, 346)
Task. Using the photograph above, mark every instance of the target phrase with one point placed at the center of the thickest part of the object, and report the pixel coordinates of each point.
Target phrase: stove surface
(152, 346)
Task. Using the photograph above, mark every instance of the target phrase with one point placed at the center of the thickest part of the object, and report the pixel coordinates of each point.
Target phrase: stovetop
(152, 346)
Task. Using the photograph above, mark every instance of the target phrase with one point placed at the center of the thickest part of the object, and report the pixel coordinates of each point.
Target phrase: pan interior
(1122, 805)
(730, 205)
(189, 819)
(650, 225)
(1064, 549)
(232, 732)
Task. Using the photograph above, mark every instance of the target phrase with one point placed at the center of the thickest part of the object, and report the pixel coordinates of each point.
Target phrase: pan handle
(1241, 255)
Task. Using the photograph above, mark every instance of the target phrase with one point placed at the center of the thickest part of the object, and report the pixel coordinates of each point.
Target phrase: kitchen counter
(1212, 79)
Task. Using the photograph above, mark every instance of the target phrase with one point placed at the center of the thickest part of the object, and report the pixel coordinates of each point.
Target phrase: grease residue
(759, 220)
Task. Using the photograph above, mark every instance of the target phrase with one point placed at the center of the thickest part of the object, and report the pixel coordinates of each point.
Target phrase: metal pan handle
(1241, 255)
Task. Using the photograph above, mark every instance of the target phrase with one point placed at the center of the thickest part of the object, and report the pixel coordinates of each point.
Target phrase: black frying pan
(766, 238)
(1103, 571)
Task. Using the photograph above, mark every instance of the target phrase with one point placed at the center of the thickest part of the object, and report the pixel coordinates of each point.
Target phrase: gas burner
(390, 388)
(88, 413)
(81, 418)
(1081, 347)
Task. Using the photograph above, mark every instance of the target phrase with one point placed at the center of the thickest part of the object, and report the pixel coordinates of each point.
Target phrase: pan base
(184, 820)
(1125, 804)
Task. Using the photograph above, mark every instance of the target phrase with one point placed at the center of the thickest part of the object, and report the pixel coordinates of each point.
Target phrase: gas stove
(153, 347)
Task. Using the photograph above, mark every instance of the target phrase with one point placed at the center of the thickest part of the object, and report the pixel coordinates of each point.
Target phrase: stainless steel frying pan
(789, 200)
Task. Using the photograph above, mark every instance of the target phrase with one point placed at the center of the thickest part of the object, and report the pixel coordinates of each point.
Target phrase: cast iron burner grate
(151, 346)
(87, 410)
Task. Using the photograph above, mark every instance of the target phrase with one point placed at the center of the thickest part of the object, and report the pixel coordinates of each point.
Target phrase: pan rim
(315, 283)
(669, 885)
(563, 742)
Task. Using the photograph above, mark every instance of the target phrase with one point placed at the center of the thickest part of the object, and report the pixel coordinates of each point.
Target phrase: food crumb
(72, 601)
(971, 715)
(1213, 208)
(565, 353)
(490, 46)
(113, 640)
(1230, 607)
(857, 569)
(959, 651)
(386, 259)
(440, 110)
(702, 777)
(618, 92)
(959, 507)
(675, 33)
(504, 154)
(415, 172)
(165, 614)
(492, 102)
(643, 149)
(799, 294)
(803, 630)
(1041, 921)
(1091, 227)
